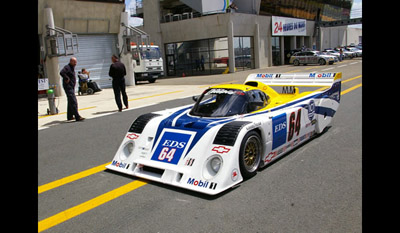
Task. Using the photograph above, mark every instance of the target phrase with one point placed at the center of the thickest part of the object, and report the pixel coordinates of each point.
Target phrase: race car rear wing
(295, 79)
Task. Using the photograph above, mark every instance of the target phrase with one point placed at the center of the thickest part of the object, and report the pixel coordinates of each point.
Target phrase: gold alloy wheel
(252, 153)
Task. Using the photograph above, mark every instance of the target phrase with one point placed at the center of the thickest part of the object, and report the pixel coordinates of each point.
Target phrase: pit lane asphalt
(316, 188)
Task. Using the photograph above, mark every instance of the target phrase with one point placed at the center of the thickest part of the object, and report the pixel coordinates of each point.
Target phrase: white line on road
(328, 69)
(342, 66)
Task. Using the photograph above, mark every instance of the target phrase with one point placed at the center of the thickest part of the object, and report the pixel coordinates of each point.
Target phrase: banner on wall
(214, 6)
(283, 26)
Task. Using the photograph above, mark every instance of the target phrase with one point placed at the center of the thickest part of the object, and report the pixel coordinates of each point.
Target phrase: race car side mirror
(195, 98)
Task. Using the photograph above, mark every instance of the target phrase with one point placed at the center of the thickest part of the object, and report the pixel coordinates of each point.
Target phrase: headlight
(127, 150)
(212, 166)
(215, 164)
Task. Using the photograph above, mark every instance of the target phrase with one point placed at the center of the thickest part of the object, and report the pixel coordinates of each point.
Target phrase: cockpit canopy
(223, 102)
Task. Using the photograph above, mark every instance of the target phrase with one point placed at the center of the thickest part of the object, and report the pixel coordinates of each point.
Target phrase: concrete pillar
(126, 57)
(282, 48)
(51, 63)
(256, 46)
(293, 42)
(269, 50)
(231, 49)
(151, 25)
(301, 41)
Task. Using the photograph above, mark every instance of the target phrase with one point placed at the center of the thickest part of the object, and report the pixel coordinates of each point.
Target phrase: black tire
(296, 62)
(152, 80)
(322, 61)
(250, 154)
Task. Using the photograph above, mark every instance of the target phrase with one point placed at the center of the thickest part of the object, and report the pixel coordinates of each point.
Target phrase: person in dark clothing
(118, 72)
(69, 81)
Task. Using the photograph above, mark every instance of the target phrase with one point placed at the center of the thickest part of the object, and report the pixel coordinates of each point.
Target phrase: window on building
(276, 51)
(244, 52)
(198, 57)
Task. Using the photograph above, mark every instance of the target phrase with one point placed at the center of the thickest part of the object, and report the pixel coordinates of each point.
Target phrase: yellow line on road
(351, 88)
(88, 205)
(293, 71)
(348, 80)
(66, 112)
(166, 93)
(215, 84)
(71, 178)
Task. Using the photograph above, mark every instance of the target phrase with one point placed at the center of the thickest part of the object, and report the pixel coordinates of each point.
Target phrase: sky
(356, 12)
(133, 21)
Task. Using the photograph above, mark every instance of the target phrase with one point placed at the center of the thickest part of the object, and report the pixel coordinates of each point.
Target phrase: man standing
(118, 72)
(69, 81)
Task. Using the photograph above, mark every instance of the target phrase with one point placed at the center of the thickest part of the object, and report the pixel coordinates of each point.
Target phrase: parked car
(332, 53)
(311, 57)
(336, 57)
(356, 50)
(347, 53)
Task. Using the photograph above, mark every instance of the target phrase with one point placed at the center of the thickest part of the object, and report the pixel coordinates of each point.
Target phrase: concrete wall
(353, 35)
(212, 26)
(339, 36)
(80, 17)
(83, 17)
(215, 26)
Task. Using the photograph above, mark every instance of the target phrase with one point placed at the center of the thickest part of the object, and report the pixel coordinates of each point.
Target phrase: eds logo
(171, 147)
(279, 125)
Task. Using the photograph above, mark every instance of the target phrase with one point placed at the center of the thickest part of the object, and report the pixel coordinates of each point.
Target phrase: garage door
(94, 55)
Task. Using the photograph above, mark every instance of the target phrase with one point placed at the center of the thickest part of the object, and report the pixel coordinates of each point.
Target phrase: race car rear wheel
(250, 154)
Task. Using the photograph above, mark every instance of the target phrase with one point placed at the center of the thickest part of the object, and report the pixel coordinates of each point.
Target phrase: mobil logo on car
(322, 75)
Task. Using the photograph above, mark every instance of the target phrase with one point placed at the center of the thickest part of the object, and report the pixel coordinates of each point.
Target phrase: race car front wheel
(250, 154)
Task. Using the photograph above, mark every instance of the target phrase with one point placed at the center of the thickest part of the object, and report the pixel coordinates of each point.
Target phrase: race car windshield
(220, 103)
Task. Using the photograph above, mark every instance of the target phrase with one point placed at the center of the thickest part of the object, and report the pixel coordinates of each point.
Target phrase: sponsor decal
(279, 125)
(189, 162)
(202, 184)
(132, 136)
(171, 147)
(270, 156)
(235, 174)
(322, 75)
(311, 110)
(221, 149)
(225, 91)
(265, 75)
(118, 164)
(253, 126)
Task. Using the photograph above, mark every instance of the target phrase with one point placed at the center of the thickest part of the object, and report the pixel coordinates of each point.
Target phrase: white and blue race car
(230, 132)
